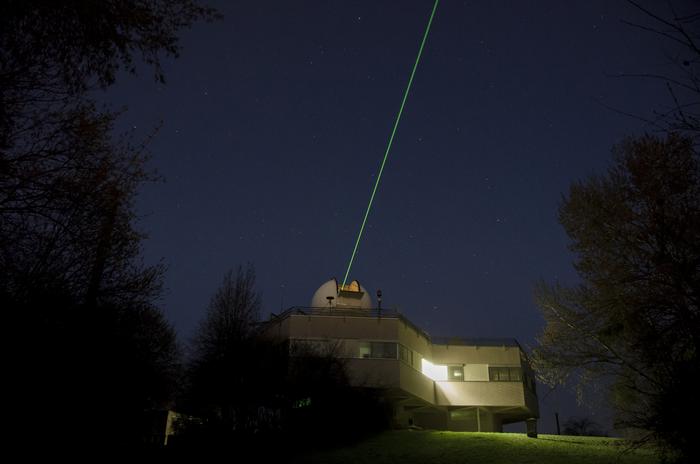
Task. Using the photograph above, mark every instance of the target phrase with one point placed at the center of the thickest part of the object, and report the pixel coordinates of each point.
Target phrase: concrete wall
(416, 383)
(492, 355)
(364, 328)
(431, 419)
(479, 394)
(414, 340)
(476, 372)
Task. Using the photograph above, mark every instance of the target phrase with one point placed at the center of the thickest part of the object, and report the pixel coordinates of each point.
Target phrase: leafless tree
(677, 25)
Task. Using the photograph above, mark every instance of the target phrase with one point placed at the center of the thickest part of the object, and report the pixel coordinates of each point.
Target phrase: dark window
(515, 374)
(384, 350)
(406, 355)
(381, 350)
(455, 373)
(498, 374)
(505, 374)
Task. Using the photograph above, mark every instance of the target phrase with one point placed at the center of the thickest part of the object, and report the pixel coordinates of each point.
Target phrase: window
(378, 350)
(406, 355)
(435, 372)
(365, 350)
(515, 374)
(455, 373)
(498, 374)
(301, 347)
(505, 374)
(384, 350)
(462, 414)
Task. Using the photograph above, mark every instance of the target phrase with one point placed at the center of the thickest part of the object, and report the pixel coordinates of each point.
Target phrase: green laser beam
(391, 140)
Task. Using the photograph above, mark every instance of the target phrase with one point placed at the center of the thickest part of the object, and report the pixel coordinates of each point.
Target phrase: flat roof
(475, 341)
(393, 313)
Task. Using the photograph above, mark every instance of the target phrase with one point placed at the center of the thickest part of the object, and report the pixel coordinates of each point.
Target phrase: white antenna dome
(331, 295)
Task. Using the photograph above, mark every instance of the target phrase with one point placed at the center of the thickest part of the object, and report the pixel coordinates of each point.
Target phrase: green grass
(414, 447)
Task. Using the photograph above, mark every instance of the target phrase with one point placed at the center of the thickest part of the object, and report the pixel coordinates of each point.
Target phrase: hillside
(409, 447)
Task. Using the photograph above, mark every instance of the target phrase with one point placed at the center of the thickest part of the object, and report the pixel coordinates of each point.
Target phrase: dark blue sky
(275, 120)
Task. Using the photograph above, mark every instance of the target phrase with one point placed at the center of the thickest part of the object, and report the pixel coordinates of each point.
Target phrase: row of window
(505, 374)
(378, 350)
(390, 350)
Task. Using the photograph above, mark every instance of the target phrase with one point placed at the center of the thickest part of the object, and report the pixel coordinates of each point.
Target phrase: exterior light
(433, 371)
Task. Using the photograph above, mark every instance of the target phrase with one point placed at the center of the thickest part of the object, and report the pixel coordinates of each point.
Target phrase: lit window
(365, 350)
(455, 373)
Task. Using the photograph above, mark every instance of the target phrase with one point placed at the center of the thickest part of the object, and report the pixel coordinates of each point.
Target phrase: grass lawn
(417, 447)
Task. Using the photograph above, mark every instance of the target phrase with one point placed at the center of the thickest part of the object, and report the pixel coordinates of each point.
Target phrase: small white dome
(353, 295)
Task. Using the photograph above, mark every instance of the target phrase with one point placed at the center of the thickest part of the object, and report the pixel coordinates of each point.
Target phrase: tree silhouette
(677, 26)
(634, 321)
(247, 388)
(226, 355)
(93, 348)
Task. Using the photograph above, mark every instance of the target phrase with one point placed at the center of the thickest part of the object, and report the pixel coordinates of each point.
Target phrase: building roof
(393, 313)
(475, 341)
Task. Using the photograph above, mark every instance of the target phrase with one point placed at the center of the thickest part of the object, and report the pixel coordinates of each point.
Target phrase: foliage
(226, 355)
(634, 321)
(332, 410)
(94, 348)
(79, 43)
(231, 318)
(246, 387)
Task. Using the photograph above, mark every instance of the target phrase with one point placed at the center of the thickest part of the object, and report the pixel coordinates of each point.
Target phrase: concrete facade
(444, 384)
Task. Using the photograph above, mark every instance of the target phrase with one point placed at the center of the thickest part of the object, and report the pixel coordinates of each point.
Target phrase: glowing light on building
(434, 371)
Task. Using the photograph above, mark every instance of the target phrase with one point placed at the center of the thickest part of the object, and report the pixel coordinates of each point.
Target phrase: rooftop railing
(393, 313)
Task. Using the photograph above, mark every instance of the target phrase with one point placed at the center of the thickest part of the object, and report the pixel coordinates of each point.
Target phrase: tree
(633, 322)
(93, 348)
(66, 184)
(678, 31)
(249, 388)
(226, 355)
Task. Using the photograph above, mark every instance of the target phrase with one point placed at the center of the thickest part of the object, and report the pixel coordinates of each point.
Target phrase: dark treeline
(245, 388)
(92, 350)
(95, 362)
(631, 326)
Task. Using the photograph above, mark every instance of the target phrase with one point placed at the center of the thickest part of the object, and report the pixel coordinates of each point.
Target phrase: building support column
(531, 427)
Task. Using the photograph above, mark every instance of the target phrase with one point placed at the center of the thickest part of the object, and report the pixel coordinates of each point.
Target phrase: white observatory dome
(353, 295)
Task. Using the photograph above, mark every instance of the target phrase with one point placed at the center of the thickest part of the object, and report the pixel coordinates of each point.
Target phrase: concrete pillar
(531, 427)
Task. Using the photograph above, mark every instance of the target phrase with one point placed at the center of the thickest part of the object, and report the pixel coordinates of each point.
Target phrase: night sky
(275, 120)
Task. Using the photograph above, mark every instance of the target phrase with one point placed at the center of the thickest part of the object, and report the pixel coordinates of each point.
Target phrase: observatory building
(437, 383)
